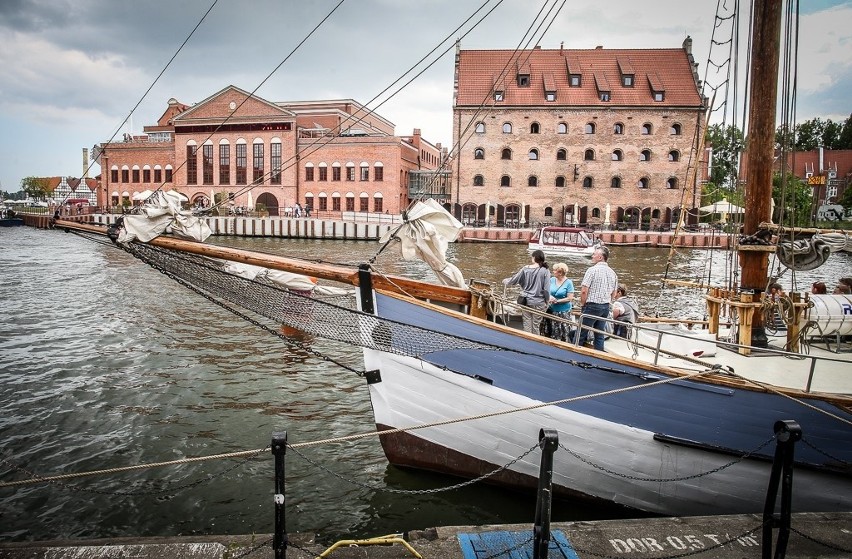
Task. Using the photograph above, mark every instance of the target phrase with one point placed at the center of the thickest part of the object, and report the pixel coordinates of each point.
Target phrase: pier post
(787, 433)
(279, 538)
(548, 440)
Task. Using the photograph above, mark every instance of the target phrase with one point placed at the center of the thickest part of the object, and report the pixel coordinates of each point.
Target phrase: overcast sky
(71, 71)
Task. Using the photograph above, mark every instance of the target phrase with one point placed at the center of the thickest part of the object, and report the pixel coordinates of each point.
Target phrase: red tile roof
(478, 70)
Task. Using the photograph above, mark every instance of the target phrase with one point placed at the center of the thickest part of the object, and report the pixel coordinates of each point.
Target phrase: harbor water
(106, 363)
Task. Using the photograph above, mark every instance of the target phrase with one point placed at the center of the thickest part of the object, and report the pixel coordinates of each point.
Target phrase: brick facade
(534, 148)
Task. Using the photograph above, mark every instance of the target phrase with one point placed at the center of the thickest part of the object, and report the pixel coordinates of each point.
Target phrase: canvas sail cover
(161, 211)
(425, 236)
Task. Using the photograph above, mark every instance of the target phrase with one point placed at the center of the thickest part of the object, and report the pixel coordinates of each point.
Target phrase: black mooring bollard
(279, 540)
(787, 432)
(548, 440)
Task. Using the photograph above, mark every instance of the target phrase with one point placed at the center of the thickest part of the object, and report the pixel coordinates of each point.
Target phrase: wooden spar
(381, 282)
(761, 146)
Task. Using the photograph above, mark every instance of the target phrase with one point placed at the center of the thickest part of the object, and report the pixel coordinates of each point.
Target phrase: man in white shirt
(596, 293)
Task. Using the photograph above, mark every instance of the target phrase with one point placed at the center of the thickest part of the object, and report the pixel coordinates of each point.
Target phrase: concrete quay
(316, 228)
(813, 535)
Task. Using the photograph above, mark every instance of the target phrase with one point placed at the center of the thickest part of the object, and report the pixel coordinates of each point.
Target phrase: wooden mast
(766, 42)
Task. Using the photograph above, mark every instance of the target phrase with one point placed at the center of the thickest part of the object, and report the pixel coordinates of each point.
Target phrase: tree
(845, 139)
(846, 200)
(35, 187)
(727, 142)
(793, 200)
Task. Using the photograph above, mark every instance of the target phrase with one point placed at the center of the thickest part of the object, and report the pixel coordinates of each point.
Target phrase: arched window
(674, 155)
(596, 212)
(618, 128)
(479, 153)
(506, 154)
(589, 155)
(480, 128)
(532, 181)
(587, 182)
(507, 128)
(643, 182)
(676, 129)
(655, 214)
(469, 214)
(478, 180)
(560, 182)
(561, 128)
(561, 155)
(533, 155)
(671, 183)
(645, 155)
(534, 128)
(615, 182)
(505, 181)
(646, 129)
(617, 155)
(548, 212)
(590, 128)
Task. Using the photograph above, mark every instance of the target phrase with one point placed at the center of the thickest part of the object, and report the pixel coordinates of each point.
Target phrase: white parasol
(606, 217)
(250, 203)
(721, 207)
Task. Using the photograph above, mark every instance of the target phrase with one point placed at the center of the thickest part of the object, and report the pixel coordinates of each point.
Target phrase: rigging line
(150, 87)
(320, 142)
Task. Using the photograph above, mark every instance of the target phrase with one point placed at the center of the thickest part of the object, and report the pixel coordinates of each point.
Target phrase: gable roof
(246, 108)
(479, 70)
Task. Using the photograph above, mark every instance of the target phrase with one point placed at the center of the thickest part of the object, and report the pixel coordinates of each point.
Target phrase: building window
(590, 128)
(674, 155)
(645, 155)
(365, 172)
(550, 96)
(505, 181)
(659, 96)
(169, 173)
(135, 174)
(498, 95)
(589, 155)
(224, 164)
(257, 162)
(646, 129)
(207, 163)
(335, 203)
(533, 155)
(479, 153)
(603, 96)
(378, 173)
(191, 165)
(587, 182)
(275, 162)
(560, 182)
(532, 181)
(323, 172)
(575, 80)
(113, 175)
(561, 128)
(480, 128)
(146, 174)
(242, 163)
(378, 205)
(323, 204)
(125, 174)
(335, 173)
(671, 183)
(523, 80)
(675, 130)
(534, 128)
(158, 175)
(506, 154)
(643, 182)
(615, 182)
(596, 213)
(617, 155)
(561, 155)
(350, 172)
(618, 129)
(507, 128)
(627, 80)
(478, 180)
(309, 172)
(364, 204)
(655, 214)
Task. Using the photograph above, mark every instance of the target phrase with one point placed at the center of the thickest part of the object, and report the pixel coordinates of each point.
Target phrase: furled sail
(161, 211)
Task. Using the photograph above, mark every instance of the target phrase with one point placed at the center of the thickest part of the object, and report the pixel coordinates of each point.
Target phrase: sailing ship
(455, 390)
(564, 241)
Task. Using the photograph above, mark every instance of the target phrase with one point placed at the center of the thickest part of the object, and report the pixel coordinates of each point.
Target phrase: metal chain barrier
(820, 542)
(671, 479)
(824, 453)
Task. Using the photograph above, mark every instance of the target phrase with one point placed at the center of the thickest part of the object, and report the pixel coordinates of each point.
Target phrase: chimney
(561, 44)
(687, 44)
(85, 174)
(821, 159)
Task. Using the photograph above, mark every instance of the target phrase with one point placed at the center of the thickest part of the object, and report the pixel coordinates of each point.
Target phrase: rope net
(333, 317)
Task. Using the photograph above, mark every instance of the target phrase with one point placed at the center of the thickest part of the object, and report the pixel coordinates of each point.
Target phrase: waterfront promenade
(316, 228)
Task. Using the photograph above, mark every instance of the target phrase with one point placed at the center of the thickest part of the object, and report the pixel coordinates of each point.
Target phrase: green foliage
(35, 187)
(260, 207)
(727, 142)
(846, 200)
(19, 195)
(816, 132)
(793, 201)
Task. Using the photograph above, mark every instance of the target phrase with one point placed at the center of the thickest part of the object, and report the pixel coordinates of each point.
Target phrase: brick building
(828, 171)
(575, 136)
(332, 156)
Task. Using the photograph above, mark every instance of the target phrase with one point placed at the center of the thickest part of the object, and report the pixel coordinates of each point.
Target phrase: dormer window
(602, 86)
(549, 88)
(627, 80)
(628, 75)
(658, 90)
(572, 66)
(524, 75)
(498, 95)
(603, 95)
(659, 96)
(550, 96)
(575, 80)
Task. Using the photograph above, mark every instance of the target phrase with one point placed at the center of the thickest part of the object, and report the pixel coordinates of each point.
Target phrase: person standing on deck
(534, 279)
(596, 292)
